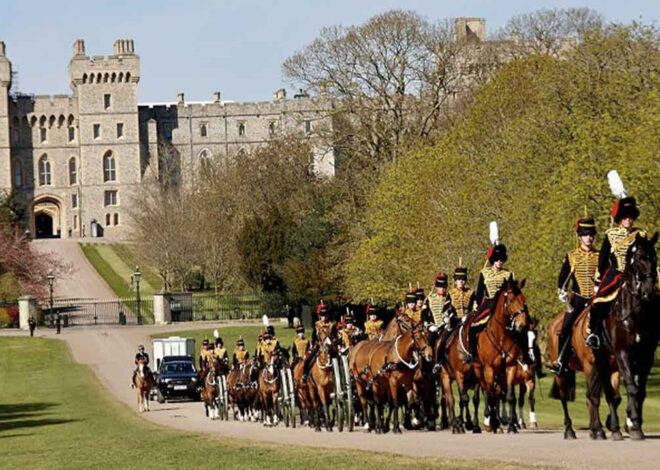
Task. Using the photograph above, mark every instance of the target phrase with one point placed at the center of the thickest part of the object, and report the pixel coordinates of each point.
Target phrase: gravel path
(109, 351)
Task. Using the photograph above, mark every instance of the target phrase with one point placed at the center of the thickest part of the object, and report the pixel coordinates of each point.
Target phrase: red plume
(490, 252)
(615, 208)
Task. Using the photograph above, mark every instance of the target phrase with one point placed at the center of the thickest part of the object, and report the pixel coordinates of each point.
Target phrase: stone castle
(74, 160)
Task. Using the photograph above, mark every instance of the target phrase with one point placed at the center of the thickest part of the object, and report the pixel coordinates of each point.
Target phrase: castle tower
(106, 91)
(5, 150)
(470, 30)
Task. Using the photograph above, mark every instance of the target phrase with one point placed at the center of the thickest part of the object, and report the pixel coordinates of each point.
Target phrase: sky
(236, 47)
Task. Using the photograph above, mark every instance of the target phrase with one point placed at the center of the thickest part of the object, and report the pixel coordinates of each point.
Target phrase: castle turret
(5, 150)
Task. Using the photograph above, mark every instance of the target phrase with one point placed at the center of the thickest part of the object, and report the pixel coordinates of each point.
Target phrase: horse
(631, 338)
(211, 390)
(456, 368)
(499, 352)
(390, 367)
(143, 383)
(302, 391)
(242, 382)
(320, 386)
(269, 388)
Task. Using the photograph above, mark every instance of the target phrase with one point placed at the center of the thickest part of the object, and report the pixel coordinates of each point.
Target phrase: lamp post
(51, 280)
(136, 277)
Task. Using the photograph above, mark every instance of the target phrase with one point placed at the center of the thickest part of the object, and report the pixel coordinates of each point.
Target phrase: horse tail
(564, 388)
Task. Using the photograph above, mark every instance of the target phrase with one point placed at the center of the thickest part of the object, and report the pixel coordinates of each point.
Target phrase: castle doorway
(47, 218)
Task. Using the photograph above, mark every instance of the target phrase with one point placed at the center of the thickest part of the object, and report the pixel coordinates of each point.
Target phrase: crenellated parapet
(123, 67)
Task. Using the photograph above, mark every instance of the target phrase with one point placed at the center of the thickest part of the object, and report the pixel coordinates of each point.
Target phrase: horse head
(514, 305)
(641, 267)
(419, 338)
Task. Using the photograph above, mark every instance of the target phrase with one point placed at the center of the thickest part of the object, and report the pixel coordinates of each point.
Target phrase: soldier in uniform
(323, 328)
(612, 262)
(442, 310)
(577, 274)
(462, 297)
(411, 310)
(240, 353)
(350, 333)
(300, 346)
(141, 355)
(205, 358)
(373, 327)
(491, 279)
(220, 352)
(268, 348)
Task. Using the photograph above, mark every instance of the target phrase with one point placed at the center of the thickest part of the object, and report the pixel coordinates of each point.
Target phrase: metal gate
(75, 312)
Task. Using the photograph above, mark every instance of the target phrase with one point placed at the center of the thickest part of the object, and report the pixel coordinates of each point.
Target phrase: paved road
(83, 281)
(109, 351)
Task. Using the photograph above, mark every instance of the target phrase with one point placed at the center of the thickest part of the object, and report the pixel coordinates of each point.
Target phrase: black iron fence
(232, 307)
(75, 312)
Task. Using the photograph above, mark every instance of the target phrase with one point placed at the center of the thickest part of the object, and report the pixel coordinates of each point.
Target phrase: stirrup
(436, 368)
(556, 368)
(593, 341)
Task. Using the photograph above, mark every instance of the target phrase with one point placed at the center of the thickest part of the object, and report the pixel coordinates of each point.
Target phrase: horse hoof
(617, 436)
(523, 425)
(469, 426)
(597, 435)
(477, 430)
(569, 434)
(488, 428)
(512, 429)
(636, 435)
(317, 429)
(534, 425)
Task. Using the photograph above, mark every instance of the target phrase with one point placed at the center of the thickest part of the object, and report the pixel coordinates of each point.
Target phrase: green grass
(548, 410)
(54, 413)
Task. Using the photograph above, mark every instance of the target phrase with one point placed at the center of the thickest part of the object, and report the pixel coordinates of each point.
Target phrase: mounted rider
(220, 352)
(350, 333)
(411, 310)
(269, 348)
(240, 353)
(205, 358)
(491, 279)
(612, 257)
(577, 277)
(373, 327)
(141, 355)
(300, 347)
(462, 297)
(443, 314)
(323, 328)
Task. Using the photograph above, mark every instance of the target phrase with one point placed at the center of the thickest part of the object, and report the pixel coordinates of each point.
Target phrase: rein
(409, 365)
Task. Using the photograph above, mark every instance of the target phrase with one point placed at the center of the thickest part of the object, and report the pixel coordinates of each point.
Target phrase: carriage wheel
(292, 397)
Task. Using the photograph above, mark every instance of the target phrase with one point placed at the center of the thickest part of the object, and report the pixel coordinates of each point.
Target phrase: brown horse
(499, 352)
(302, 391)
(269, 389)
(143, 383)
(242, 382)
(389, 368)
(211, 391)
(456, 368)
(320, 386)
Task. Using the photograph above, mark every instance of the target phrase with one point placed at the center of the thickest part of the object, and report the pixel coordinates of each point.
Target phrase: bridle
(511, 316)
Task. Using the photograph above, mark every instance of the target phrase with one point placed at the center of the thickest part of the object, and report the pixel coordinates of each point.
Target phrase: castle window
(116, 219)
(202, 130)
(106, 101)
(120, 130)
(74, 200)
(44, 171)
(72, 133)
(42, 134)
(96, 130)
(241, 129)
(271, 128)
(18, 175)
(107, 220)
(110, 198)
(109, 167)
(73, 174)
(168, 133)
(204, 160)
(75, 222)
(308, 126)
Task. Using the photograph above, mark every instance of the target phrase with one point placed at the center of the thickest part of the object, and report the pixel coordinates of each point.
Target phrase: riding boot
(133, 379)
(538, 364)
(595, 326)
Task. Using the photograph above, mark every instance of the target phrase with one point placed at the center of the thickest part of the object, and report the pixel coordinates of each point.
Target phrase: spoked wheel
(339, 395)
(225, 395)
(292, 397)
(348, 393)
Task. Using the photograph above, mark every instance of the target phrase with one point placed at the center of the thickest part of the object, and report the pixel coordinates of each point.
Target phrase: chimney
(79, 47)
(279, 94)
(3, 49)
(179, 99)
(216, 97)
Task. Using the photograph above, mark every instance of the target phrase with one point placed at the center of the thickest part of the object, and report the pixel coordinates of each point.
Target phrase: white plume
(616, 185)
(494, 233)
(216, 335)
(296, 322)
(264, 319)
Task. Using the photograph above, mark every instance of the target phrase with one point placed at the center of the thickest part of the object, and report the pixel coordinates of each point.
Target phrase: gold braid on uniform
(493, 280)
(437, 304)
(620, 240)
(584, 265)
(460, 299)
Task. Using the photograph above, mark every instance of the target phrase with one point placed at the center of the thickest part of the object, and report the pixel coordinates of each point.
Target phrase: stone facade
(75, 160)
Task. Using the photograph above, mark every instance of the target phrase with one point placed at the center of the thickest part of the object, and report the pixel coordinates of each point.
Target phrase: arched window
(203, 130)
(109, 167)
(107, 219)
(84, 78)
(44, 171)
(241, 129)
(204, 160)
(128, 77)
(73, 173)
(116, 219)
(271, 128)
(18, 174)
(241, 152)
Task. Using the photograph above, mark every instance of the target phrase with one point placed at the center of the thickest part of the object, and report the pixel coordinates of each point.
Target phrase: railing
(99, 312)
(232, 307)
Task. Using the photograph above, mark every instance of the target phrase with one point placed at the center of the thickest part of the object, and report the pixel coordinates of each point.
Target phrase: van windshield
(178, 368)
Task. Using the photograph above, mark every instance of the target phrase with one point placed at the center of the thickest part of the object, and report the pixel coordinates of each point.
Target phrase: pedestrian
(58, 324)
(83, 230)
(32, 323)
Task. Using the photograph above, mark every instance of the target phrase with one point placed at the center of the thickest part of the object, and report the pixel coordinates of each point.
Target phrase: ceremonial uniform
(205, 356)
(577, 273)
(412, 312)
(462, 298)
(373, 329)
(349, 333)
(268, 350)
(300, 347)
(240, 356)
(220, 352)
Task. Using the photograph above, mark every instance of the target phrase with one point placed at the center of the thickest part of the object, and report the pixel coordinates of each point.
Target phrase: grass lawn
(548, 410)
(55, 414)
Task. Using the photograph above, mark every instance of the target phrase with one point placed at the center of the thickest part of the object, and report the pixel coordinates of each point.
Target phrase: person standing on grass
(32, 323)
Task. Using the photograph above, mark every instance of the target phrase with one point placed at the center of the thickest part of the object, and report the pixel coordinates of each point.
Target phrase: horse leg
(511, 399)
(448, 397)
(521, 406)
(326, 411)
(594, 390)
(531, 388)
(475, 402)
(613, 401)
(632, 390)
(643, 370)
(394, 406)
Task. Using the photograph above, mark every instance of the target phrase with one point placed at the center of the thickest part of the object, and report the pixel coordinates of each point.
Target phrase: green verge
(118, 284)
(56, 414)
(548, 411)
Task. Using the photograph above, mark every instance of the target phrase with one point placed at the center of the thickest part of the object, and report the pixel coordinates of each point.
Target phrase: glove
(446, 320)
(563, 296)
(433, 328)
(531, 355)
